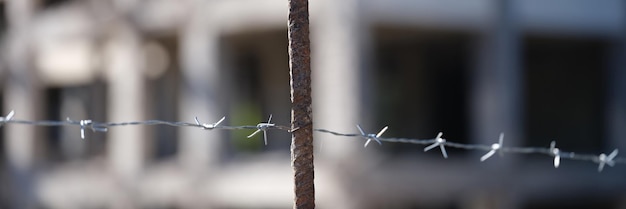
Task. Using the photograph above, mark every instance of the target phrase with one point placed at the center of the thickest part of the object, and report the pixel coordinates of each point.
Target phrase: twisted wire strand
(136, 123)
(103, 126)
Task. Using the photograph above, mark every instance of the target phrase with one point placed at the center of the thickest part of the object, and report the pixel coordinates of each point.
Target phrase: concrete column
(497, 82)
(339, 35)
(497, 97)
(338, 57)
(616, 98)
(20, 13)
(201, 90)
(22, 93)
(126, 102)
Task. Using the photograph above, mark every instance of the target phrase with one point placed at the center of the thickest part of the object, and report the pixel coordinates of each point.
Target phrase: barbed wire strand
(601, 159)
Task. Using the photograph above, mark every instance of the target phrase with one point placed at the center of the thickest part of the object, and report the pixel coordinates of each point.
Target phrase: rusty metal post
(301, 119)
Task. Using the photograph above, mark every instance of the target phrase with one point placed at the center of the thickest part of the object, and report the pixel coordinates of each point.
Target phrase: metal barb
(604, 159)
(439, 142)
(87, 124)
(292, 130)
(494, 148)
(8, 118)
(209, 126)
(83, 123)
(371, 137)
(556, 153)
(263, 127)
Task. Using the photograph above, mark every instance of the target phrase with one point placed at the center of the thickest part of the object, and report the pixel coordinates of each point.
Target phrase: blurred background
(537, 70)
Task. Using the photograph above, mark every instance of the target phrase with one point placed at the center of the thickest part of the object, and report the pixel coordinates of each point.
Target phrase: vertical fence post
(301, 120)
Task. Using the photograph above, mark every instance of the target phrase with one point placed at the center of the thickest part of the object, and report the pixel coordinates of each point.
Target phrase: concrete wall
(79, 43)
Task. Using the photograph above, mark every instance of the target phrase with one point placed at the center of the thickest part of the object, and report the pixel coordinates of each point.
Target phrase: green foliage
(241, 114)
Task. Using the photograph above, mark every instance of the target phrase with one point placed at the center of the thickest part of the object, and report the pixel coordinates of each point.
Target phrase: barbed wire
(552, 151)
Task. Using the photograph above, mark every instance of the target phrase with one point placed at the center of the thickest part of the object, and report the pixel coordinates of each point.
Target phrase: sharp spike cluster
(557, 154)
(263, 127)
(608, 160)
(87, 124)
(8, 118)
(439, 142)
(209, 125)
(83, 124)
(497, 147)
(371, 137)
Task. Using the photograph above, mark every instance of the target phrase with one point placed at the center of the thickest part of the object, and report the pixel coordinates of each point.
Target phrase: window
(422, 87)
(3, 19)
(565, 90)
(259, 82)
(53, 3)
(83, 102)
(163, 88)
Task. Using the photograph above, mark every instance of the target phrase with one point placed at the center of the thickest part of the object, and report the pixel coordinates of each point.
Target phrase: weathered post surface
(301, 120)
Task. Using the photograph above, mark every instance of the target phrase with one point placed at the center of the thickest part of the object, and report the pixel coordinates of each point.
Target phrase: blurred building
(537, 70)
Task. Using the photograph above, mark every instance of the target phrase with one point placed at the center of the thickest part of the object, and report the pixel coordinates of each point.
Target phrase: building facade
(536, 70)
